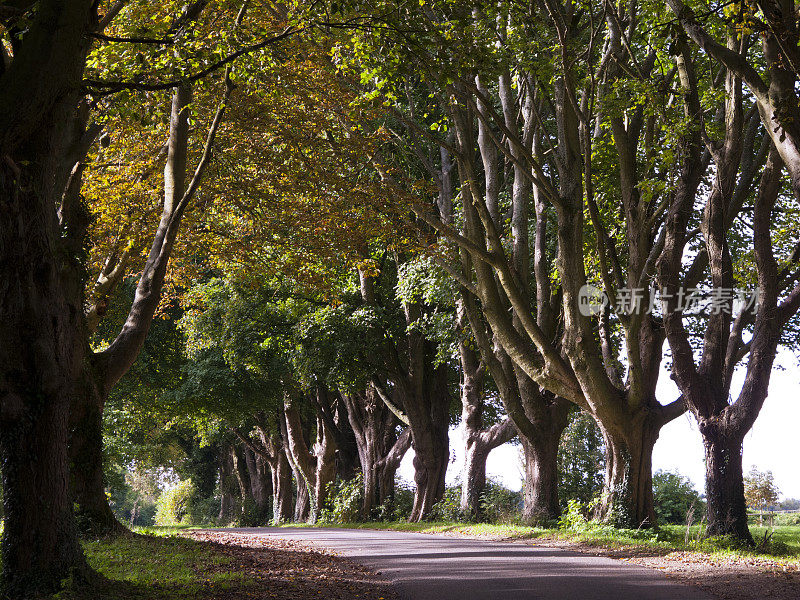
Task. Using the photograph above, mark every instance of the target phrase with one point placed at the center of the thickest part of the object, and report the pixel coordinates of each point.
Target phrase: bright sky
(773, 443)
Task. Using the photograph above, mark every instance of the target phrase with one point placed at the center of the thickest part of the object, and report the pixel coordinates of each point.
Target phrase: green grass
(155, 566)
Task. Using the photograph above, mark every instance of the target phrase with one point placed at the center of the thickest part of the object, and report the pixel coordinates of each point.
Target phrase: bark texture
(380, 450)
(40, 297)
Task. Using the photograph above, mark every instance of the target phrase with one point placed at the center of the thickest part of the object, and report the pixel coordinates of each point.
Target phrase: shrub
(344, 501)
(574, 519)
(500, 504)
(399, 507)
(449, 507)
(673, 496)
(174, 506)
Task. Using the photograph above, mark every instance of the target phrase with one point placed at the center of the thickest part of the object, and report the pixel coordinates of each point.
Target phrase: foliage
(174, 506)
(449, 507)
(344, 501)
(581, 460)
(573, 519)
(760, 490)
(133, 492)
(673, 496)
(399, 506)
(500, 504)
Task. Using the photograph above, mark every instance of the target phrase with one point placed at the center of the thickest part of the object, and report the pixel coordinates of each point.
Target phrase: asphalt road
(431, 567)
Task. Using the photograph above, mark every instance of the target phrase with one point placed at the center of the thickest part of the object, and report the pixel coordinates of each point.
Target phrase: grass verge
(784, 544)
(156, 567)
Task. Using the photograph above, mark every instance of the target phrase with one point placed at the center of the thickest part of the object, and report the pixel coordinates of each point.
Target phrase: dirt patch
(287, 570)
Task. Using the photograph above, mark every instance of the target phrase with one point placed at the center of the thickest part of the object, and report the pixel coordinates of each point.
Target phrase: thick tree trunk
(281, 489)
(302, 462)
(430, 468)
(40, 298)
(628, 494)
(40, 544)
(379, 449)
(242, 479)
(478, 443)
(325, 473)
(540, 491)
(39, 361)
(427, 406)
(431, 444)
(302, 502)
(87, 480)
(226, 485)
(473, 481)
(727, 510)
(260, 486)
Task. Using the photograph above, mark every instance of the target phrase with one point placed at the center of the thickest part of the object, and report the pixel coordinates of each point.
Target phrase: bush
(500, 504)
(204, 511)
(574, 518)
(344, 501)
(174, 506)
(449, 507)
(673, 496)
(399, 507)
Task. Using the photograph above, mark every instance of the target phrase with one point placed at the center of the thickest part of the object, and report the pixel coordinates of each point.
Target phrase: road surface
(433, 567)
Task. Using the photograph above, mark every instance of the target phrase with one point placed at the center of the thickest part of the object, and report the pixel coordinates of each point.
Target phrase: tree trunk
(325, 473)
(379, 449)
(302, 501)
(242, 478)
(628, 493)
(431, 444)
(473, 481)
(477, 441)
(87, 480)
(386, 468)
(302, 463)
(39, 362)
(226, 485)
(727, 510)
(109, 366)
(427, 407)
(40, 544)
(430, 469)
(540, 492)
(40, 298)
(260, 486)
(281, 489)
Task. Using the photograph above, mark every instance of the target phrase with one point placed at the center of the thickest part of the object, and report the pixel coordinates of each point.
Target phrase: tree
(534, 132)
(675, 497)
(760, 491)
(580, 460)
(40, 293)
(104, 369)
(703, 369)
